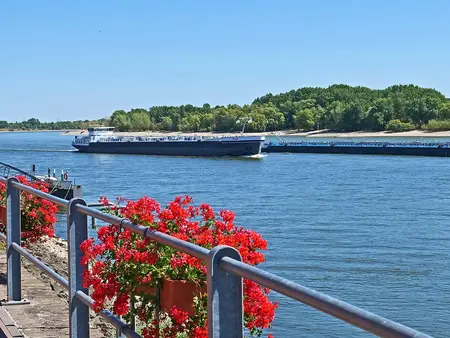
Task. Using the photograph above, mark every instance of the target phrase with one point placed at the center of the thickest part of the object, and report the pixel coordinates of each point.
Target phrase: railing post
(132, 325)
(77, 232)
(13, 233)
(119, 333)
(225, 316)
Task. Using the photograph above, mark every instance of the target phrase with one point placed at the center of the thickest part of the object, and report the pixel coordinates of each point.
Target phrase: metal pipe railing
(109, 317)
(186, 247)
(58, 201)
(351, 314)
(41, 266)
(225, 271)
(106, 315)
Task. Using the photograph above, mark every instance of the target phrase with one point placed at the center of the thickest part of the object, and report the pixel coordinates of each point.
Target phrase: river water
(370, 230)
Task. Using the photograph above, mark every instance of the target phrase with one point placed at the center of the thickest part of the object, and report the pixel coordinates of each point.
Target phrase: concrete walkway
(8, 328)
(47, 314)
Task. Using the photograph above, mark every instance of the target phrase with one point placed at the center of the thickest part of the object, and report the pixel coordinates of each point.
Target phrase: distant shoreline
(285, 133)
(38, 131)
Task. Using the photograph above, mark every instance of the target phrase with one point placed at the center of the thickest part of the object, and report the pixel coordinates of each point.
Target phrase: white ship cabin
(95, 134)
(101, 131)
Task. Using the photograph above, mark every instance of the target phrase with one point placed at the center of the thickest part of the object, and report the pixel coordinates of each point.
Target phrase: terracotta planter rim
(177, 292)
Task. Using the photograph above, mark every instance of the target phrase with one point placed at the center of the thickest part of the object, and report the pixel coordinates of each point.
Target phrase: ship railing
(162, 139)
(225, 271)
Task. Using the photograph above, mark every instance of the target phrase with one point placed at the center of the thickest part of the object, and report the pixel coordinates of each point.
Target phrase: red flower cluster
(132, 267)
(38, 215)
(176, 322)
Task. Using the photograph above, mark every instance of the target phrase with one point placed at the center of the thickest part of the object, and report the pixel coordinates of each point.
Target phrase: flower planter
(180, 293)
(3, 214)
(176, 277)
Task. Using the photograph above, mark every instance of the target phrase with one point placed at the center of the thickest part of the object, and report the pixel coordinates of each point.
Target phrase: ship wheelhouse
(95, 134)
(100, 131)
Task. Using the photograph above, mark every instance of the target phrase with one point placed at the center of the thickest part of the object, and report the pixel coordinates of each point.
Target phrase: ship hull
(187, 148)
(411, 151)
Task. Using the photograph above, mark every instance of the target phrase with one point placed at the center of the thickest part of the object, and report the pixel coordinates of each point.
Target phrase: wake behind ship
(103, 140)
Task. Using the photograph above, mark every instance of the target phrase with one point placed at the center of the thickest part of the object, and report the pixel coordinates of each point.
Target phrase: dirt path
(47, 314)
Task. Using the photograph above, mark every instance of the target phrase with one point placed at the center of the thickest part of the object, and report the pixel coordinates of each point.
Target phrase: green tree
(437, 125)
(139, 120)
(352, 117)
(166, 123)
(399, 126)
(273, 118)
(379, 114)
(225, 118)
(190, 123)
(334, 115)
(119, 120)
(122, 123)
(444, 110)
(207, 122)
(306, 114)
(304, 119)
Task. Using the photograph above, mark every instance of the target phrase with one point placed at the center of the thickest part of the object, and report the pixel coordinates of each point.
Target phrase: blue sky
(81, 59)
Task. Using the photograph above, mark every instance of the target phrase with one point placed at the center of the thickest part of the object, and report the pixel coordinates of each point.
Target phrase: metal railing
(225, 271)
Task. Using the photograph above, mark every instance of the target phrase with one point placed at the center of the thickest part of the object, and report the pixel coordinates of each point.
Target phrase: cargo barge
(416, 148)
(102, 140)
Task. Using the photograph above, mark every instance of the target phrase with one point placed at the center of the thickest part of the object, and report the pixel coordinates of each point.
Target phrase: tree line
(35, 124)
(338, 107)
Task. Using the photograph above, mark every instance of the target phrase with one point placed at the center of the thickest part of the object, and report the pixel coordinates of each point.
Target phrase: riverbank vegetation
(338, 107)
(35, 124)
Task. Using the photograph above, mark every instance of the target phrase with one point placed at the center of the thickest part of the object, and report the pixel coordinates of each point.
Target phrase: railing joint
(5, 302)
(225, 295)
(121, 225)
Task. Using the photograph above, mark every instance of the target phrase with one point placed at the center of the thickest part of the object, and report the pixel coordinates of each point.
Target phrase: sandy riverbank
(320, 134)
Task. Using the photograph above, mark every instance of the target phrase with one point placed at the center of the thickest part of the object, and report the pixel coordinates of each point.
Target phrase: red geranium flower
(38, 216)
(135, 266)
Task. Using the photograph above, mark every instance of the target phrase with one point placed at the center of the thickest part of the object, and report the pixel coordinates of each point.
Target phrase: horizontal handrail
(109, 317)
(344, 311)
(97, 205)
(44, 268)
(186, 247)
(59, 201)
(332, 306)
(338, 309)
